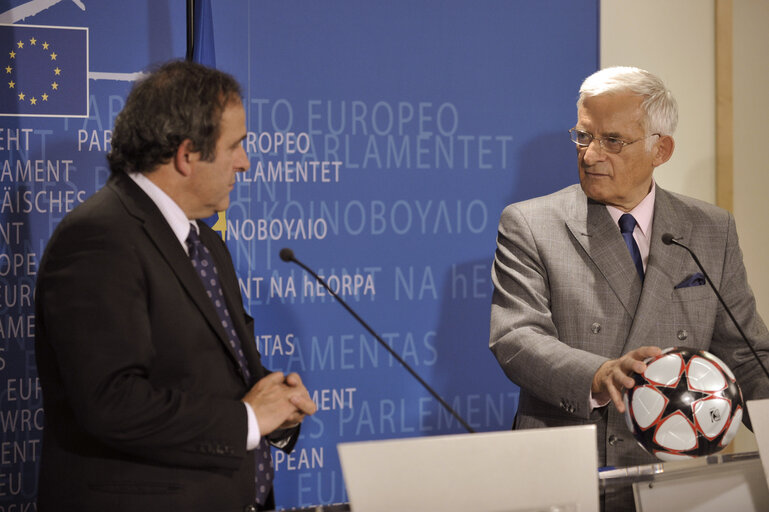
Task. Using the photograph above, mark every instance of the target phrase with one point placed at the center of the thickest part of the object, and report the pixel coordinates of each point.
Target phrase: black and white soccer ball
(686, 404)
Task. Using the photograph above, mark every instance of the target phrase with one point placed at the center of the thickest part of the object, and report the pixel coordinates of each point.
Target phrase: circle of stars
(22, 92)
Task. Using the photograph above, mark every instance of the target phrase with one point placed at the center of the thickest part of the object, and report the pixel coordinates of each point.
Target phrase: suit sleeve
(523, 335)
(97, 347)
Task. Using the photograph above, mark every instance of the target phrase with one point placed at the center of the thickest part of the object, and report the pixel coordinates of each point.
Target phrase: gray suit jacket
(567, 298)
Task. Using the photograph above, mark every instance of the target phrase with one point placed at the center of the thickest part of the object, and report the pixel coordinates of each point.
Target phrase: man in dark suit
(574, 313)
(154, 393)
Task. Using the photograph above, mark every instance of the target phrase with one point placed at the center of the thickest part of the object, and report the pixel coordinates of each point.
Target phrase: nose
(241, 160)
(593, 153)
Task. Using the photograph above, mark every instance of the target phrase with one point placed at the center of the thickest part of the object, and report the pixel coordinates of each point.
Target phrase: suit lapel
(162, 236)
(665, 262)
(592, 226)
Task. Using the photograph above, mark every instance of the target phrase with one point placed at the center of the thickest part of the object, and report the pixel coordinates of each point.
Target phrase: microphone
(669, 239)
(287, 255)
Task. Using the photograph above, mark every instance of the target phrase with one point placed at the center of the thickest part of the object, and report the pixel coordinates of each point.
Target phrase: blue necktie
(627, 224)
(203, 263)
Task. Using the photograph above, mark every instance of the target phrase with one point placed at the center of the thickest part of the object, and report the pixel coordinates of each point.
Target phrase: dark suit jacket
(141, 390)
(567, 299)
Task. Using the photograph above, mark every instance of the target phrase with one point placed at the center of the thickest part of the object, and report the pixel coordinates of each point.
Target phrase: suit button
(596, 328)
(613, 440)
(249, 508)
(682, 334)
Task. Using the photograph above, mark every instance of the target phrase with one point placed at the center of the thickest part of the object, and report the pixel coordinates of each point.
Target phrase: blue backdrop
(384, 139)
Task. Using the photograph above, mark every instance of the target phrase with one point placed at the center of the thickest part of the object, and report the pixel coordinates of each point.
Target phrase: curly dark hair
(180, 100)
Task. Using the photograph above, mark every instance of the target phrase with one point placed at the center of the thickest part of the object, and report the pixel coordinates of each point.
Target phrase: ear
(184, 158)
(663, 149)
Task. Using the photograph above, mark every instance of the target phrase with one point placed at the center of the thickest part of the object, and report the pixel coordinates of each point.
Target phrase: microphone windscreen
(667, 239)
(286, 254)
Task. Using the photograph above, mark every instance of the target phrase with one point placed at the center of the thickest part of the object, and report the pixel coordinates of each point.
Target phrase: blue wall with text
(384, 140)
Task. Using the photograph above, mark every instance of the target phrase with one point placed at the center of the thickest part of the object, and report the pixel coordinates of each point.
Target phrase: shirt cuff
(254, 435)
(595, 404)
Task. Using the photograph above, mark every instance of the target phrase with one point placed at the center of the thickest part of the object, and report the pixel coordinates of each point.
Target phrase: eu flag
(43, 71)
(203, 53)
(203, 34)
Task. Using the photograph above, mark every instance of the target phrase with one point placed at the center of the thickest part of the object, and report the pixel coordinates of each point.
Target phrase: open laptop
(548, 470)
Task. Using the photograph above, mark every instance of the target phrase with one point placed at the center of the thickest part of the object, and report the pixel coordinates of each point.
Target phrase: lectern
(718, 483)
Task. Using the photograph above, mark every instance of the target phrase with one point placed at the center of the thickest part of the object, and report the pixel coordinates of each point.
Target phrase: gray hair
(659, 105)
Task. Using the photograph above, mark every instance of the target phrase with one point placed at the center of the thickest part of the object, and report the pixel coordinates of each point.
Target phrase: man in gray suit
(574, 315)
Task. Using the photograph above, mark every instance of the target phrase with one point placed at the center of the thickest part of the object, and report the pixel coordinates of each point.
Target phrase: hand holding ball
(686, 404)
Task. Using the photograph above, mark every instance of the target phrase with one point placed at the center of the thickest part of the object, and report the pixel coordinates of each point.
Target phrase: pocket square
(693, 280)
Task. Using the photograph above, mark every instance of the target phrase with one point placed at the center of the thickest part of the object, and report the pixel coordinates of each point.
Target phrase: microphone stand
(287, 255)
(669, 239)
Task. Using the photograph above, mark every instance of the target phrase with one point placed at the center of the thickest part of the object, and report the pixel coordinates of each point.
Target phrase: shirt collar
(171, 211)
(643, 212)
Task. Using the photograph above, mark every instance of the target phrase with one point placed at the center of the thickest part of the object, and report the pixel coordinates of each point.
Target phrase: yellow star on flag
(221, 223)
(33, 101)
(12, 54)
(20, 44)
(45, 97)
(33, 41)
(54, 86)
(57, 71)
(8, 70)
(53, 56)
(11, 84)
(21, 96)
(45, 46)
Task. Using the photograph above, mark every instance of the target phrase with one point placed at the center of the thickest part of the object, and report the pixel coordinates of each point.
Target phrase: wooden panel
(724, 106)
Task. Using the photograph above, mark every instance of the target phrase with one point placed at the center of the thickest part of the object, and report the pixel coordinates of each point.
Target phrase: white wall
(751, 130)
(676, 40)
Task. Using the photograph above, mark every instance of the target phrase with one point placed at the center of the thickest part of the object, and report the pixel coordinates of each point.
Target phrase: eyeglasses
(608, 144)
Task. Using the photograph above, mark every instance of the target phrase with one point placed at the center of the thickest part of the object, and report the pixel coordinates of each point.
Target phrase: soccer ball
(686, 404)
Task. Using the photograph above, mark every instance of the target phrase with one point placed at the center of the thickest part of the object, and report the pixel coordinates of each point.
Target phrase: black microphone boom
(287, 255)
(669, 239)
